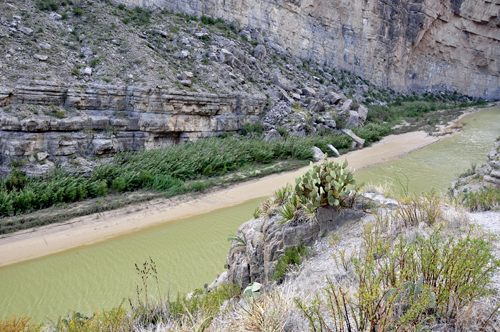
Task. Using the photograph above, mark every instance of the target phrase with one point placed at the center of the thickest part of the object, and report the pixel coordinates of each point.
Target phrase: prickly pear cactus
(325, 184)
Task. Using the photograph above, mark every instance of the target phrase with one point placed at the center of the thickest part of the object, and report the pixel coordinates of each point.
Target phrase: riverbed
(190, 251)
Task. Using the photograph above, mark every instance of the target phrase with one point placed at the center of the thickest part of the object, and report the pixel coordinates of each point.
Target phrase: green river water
(190, 252)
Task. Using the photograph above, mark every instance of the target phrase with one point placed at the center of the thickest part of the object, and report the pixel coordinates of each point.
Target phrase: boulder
(87, 71)
(225, 56)
(281, 94)
(318, 154)
(353, 119)
(272, 136)
(332, 98)
(26, 31)
(282, 82)
(184, 54)
(362, 113)
(308, 92)
(41, 57)
(346, 105)
(277, 48)
(259, 52)
(359, 142)
(42, 155)
(45, 46)
(316, 106)
(185, 75)
(331, 147)
(330, 123)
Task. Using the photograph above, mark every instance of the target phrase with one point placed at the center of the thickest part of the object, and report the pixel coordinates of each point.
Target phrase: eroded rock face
(98, 120)
(406, 45)
(267, 241)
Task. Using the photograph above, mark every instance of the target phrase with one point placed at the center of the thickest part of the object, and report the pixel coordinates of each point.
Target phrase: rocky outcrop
(97, 120)
(491, 169)
(406, 45)
(486, 175)
(266, 241)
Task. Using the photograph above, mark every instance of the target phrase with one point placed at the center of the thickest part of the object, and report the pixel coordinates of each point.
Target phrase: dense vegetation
(172, 170)
(413, 107)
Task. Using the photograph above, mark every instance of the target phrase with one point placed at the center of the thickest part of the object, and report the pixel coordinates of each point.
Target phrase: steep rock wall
(102, 119)
(404, 44)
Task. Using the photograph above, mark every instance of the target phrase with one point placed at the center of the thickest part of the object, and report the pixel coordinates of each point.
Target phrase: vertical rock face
(403, 44)
(96, 120)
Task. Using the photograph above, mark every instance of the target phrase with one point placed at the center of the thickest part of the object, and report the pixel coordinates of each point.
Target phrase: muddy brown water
(190, 252)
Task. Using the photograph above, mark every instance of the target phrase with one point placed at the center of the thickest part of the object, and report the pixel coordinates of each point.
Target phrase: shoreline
(98, 227)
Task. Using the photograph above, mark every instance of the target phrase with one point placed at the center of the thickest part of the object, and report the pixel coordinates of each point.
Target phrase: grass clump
(485, 199)
(198, 308)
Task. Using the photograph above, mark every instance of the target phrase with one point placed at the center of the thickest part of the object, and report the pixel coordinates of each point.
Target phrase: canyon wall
(403, 44)
(52, 119)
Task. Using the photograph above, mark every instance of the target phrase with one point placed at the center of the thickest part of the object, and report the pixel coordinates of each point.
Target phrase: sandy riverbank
(50, 239)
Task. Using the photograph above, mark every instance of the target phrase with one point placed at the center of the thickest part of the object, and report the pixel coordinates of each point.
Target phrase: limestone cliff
(53, 119)
(404, 44)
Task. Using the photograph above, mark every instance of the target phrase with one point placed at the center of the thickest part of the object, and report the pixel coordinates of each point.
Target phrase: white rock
(318, 154)
(87, 71)
(42, 156)
(55, 16)
(331, 147)
(41, 57)
(185, 75)
(26, 31)
(45, 46)
(184, 54)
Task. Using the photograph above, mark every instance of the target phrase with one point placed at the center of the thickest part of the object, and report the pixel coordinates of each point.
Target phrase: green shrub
(293, 256)
(77, 11)
(51, 5)
(412, 283)
(485, 199)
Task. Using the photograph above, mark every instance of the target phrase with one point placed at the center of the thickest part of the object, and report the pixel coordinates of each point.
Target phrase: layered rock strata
(97, 120)
(404, 44)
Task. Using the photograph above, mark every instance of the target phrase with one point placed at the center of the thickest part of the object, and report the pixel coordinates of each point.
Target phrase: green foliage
(116, 319)
(414, 209)
(373, 132)
(252, 290)
(248, 128)
(485, 199)
(410, 283)
(51, 5)
(241, 241)
(94, 62)
(325, 184)
(146, 310)
(77, 11)
(165, 170)
(21, 324)
(293, 256)
(411, 107)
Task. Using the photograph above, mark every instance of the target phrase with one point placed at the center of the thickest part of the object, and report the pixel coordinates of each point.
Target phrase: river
(190, 252)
